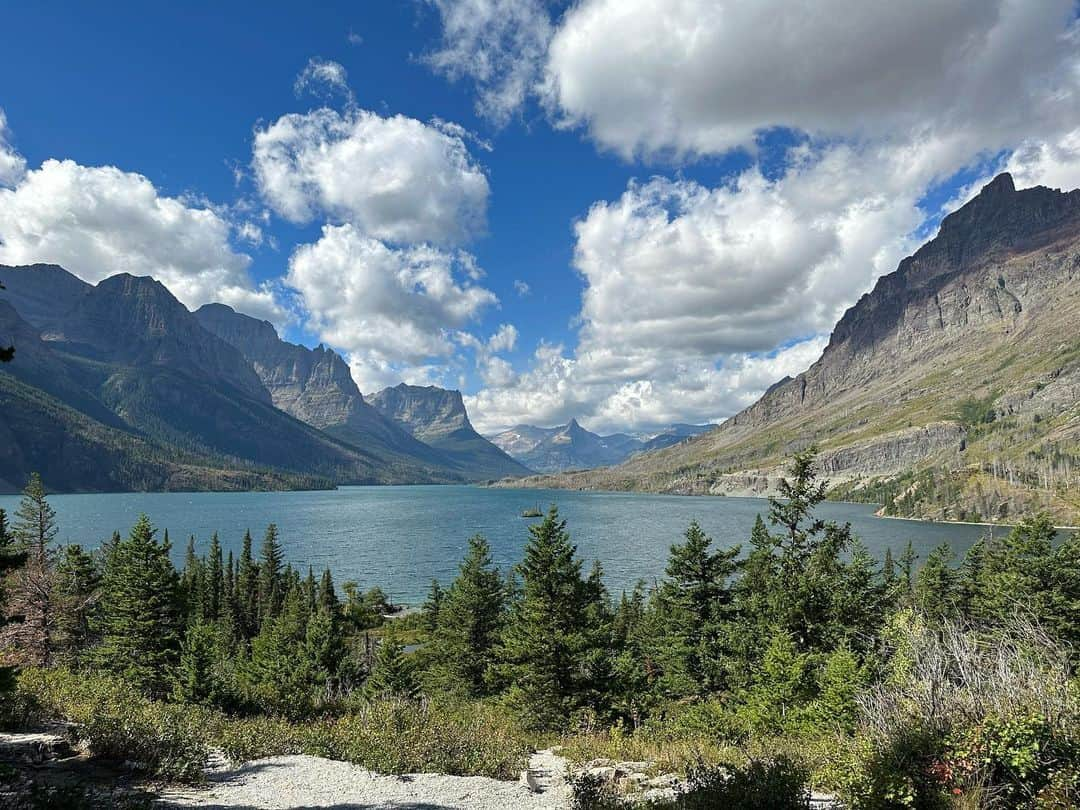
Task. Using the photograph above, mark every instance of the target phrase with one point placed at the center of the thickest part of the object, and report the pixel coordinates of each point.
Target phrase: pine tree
(323, 649)
(191, 583)
(271, 583)
(698, 600)
(30, 599)
(547, 646)
(311, 592)
(276, 681)
(810, 569)
(782, 686)
(431, 607)
(861, 600)
(213, 583)
(907, 575)
(247, 589)
(198, 676)
(937, 591)
(139, 614)
(469, 621)
(393, 675)
(77, 581)
(10, 558)
(328, 599)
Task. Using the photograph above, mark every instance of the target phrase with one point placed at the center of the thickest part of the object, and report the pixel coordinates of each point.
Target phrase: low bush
(171, 741)
(117, 722)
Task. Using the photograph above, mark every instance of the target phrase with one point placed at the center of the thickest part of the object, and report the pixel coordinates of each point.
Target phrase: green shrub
(777, 784)
(118, 722)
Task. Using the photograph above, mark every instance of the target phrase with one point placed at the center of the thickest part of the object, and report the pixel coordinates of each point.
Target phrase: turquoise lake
(399, 538)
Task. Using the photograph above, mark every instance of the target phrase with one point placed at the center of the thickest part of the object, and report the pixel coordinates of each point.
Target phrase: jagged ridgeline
(117, 386)
(951, 390)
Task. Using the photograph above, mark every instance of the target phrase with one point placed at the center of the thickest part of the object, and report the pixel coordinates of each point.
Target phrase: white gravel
(295, 782)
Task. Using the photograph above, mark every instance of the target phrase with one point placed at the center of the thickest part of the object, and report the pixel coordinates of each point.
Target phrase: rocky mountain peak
(425, 410)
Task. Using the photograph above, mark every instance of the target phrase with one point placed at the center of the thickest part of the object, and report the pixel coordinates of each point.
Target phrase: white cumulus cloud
(12, 164)
(99, 221)
(396, 179)
(392, 310)
(497, 44)
(703, 76)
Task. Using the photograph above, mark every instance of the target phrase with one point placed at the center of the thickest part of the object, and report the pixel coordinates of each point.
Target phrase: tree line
(780, 637)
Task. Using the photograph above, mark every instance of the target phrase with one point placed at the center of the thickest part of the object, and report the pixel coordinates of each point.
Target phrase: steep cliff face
(120, 387)
(314, 385)
(438, 418)
(960, 368)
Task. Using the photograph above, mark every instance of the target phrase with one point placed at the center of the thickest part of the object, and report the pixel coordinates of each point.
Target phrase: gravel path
(298, 782)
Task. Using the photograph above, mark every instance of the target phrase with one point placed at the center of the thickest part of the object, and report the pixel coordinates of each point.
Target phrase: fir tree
(311, 592)
(77, 581)
(547, 646)
(276, 681)
(809, 568)
(213, 583)
(191, 583)
(328, 599)
(198, 676)
(10, 558)
(30, 600)
(139, 615)
(393, 675)
(323, 649)
(698, 600)
(469, 619)
(431, 607)
(247, 589)
(937, 586)
(271, 584)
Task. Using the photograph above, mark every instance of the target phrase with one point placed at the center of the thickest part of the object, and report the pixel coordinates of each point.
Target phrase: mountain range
(118, 386)
(572, 447)
(950, 391)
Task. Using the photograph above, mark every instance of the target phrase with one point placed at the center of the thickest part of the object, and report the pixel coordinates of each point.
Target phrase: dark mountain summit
(951, 390)
(438, 418)
(119, 386)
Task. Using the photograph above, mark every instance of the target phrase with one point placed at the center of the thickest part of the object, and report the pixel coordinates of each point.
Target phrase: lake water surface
(401, 537)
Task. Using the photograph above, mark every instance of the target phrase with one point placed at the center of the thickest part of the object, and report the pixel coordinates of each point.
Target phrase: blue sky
(690, 215)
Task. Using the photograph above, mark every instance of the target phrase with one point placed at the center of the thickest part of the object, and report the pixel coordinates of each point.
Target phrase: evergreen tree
(10, 558)
(203, 657)
(861, 600)
(937, 591)
(839, 683)
(393, 675)
(547, 647)
(323, 649)
(213, 583)
(468, 622)
(810, 571)
(191, 583)
(328, 599)
(139, 614)
(781, 688)
(30, 599)
(247, 589)
(77, 581)
(311, 592)
(431, 607)
(698, 603)
(276, 681)
(907, 575)
(271, 582)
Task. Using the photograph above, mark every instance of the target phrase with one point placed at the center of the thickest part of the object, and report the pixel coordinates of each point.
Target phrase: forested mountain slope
(118, 386)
